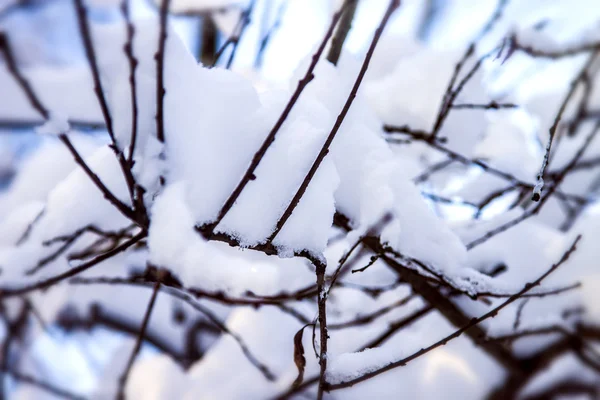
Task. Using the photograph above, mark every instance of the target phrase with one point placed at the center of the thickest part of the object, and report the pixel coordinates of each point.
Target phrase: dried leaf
(299, 358)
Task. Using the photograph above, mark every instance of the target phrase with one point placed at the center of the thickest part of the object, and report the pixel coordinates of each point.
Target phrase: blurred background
(279, 36)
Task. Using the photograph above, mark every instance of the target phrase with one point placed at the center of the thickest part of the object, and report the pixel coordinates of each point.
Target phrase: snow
(352, 365)
(169, 379)
(565, 368)
(372, 182)
(268, 333)
(285, 163)
(68, 92)
(201, 151)
(48, 165)
(41, 34)
(56, 125)
(82, 200)
(174, 243)
(216, 120)
(507, 145)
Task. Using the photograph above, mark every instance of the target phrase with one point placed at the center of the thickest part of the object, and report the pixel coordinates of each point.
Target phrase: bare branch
(140, 338)
(337, 43)
(160, 60)
(475, 321)
(46, 283)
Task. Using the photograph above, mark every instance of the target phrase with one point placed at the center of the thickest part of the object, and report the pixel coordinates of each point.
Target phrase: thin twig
(237, 36)
(11, 63)
(140, 339)
(84, 30)
(46, 283)
(133, 63)
(269, 35)
(322, 318)
(573, 85)
(108, 195)
(159, 57)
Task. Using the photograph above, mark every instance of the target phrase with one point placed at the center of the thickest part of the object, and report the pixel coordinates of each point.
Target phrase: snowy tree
(280, 199)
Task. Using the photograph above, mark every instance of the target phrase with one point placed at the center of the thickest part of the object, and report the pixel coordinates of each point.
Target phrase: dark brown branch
(342, 262)
(536, 294)
(140, 339)
(515, 45)
(581, 348)
(372, 261)
(573, 85)
(372, 291)
(337, 43)
(520, 309)
(120, 234)
(69, 320)
(490, 106)
(84, 30)
(11, 63)
(159, 57)
(54, 255)
(440, 199)
(14, 330)
(207, 47)
(397, 326)
(368, 318)
(23, 238)
(133, 63)
(322, 318)
(108, 195)
(425, 175)
(445, 99)
(373, 230)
